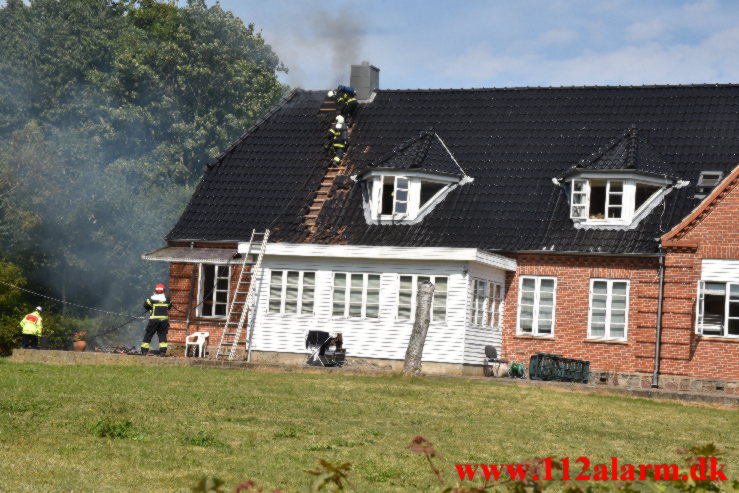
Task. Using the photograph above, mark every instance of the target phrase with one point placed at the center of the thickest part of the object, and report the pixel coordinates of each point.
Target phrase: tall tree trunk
(420, 328)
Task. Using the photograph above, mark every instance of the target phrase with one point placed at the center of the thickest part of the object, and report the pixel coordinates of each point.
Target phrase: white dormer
(614, 199)
(404, 196)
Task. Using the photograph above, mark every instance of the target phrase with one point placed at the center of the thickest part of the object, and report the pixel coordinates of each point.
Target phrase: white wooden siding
(720, 270)
(476, 338)
(386, 337)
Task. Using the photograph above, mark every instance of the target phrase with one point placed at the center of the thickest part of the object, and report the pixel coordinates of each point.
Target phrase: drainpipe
(192, 287)
(658, 335)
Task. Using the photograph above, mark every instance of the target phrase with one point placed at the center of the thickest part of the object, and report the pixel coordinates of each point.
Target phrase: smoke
(343, 30)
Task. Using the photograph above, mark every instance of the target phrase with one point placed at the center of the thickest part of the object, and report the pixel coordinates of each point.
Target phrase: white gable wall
(384, 338)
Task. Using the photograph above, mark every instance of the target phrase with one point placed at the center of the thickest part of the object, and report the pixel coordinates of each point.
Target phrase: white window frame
(629, 212)
(283, 293)
(609, 300)
(414, 210)
(203, 290)
(414, 297)
(700, 310)
(347, 294)
(537, 296)
(491, 314)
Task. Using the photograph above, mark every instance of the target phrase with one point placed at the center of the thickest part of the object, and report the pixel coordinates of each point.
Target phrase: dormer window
(404, 196)
(616, 199)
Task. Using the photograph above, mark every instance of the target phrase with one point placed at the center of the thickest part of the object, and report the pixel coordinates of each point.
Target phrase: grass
(105, 428)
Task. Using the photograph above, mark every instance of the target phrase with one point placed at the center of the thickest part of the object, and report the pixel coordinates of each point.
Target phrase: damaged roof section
(512, 141)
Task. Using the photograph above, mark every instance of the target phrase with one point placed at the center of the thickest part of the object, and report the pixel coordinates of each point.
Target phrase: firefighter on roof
(159, 306)
(339, 134)
(31, 328)
(347, 97)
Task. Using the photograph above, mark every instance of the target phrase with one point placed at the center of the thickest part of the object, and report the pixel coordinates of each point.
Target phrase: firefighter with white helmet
(159, 305)
(347, 97)
(31, 328)
(339, 134)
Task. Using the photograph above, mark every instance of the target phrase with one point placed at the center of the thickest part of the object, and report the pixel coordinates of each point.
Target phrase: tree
(108, 112)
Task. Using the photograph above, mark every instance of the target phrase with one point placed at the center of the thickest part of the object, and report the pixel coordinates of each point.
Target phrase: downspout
(658, 335)
(189, 301)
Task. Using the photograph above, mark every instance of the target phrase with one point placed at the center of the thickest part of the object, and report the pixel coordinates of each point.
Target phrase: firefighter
(31, 328)
(159, 306)
(347, 97)
(339, 134)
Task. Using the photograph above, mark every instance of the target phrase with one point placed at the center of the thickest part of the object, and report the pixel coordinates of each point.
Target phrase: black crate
(545, 366)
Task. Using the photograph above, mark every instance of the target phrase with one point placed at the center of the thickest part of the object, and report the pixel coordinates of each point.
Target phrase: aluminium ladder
(243, 302)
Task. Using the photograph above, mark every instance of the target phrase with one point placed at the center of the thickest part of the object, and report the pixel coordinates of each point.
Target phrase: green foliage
(107, 428)
(10, 310)
(108, 111)
(202, 439)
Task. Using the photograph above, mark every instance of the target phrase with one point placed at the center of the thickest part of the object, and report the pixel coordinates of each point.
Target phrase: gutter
(658, 334)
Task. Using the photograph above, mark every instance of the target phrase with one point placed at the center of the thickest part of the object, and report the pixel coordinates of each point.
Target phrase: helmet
(339, 119)
(39, 309)
(331, 94)
(159, 288)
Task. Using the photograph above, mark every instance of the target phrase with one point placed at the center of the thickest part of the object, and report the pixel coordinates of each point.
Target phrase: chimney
(365, 79)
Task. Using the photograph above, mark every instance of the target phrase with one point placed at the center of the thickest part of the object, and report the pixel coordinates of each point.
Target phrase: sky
(493, 43)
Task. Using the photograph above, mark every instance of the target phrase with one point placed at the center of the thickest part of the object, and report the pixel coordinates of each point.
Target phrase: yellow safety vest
(32, 324)
(159, 309)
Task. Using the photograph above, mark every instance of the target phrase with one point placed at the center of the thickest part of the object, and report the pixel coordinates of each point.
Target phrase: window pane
(734, 309)
(545, 326)
(373, 281)
(355, 296)
(545, 313)
(308, 292)
(275, 291)
(404, 298)
(274, 305)
(615, 199)
(598, 317)
(293, 277)
(401, 207)
(619, 288)
(222, 284)
(309, 279)
(355, 310)
(222, 271)
(599, 301)
(617, 186)
(734, 327)
(441, 283)
(220, 310)
(373, 311)
(600, 287)
(618, 303)
(307, 307)
(404, 313)
(373, 297)
(401, 195)
(422, 279)
(527, 324)
(546, 298)
(527, 298)
(578, 186)
(527, 311)
(291, 306)
(598, 330)
(618, 318)
(439, 314)
(275, 277)
(578, 211)
(617, 331)
(578, 199)
(734, 291)
(291, 292)
(547, 285)
(339, 280)
(221, 296)
(528, 284)
(406, 282)
(357, 281)
(614, 212)
(402, 182)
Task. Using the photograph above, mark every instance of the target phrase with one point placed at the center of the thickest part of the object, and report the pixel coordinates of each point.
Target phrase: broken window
(429, 190)
(643, 193)
(536, 305)
(407, 296)
(292, 292)
(213, 290)
(356, 295)
(718, 309)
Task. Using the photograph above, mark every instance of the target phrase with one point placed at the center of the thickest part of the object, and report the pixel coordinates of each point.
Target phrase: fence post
(414, 352)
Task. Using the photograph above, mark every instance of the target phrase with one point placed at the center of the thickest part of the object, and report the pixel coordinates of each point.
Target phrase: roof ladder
(241, 310)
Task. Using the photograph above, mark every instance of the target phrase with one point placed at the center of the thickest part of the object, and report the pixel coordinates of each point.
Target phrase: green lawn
(269, 427)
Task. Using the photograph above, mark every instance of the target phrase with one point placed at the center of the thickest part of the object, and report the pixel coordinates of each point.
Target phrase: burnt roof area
(512, 142)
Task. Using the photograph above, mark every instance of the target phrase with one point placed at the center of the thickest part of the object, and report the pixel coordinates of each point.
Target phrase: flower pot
(79, 346)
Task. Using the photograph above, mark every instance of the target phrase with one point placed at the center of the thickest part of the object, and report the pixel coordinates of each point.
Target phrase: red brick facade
(711, 232)
(180, 289)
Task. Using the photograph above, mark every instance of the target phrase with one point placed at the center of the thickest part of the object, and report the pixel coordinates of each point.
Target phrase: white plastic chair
(196, 339)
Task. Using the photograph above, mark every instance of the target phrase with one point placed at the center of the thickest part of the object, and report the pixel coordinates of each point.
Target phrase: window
(292, 291)
(408, 290)
(395, 197)
(601, 200)
(609, 307)
(214, 282)
(536, 301)
(718, 309)
(356, 295)
(487, 304)
(707, 182)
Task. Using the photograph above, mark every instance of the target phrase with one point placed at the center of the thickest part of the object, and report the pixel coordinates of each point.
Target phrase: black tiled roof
(425, 152)
(511, 141)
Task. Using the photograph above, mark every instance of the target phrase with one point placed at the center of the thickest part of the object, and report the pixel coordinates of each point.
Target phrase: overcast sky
(479, 43)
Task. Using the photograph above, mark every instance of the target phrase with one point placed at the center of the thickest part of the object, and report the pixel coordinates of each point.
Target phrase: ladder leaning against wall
(242, 308)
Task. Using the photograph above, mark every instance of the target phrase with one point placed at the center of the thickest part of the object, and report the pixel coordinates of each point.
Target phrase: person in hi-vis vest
(159, 306)
(31, 328)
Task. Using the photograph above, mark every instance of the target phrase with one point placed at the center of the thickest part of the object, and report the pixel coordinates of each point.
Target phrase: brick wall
(183, 276)
(713, 233)
(569, 338)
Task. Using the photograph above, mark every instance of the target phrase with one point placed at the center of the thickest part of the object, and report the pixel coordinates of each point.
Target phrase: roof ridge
(591, 87)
